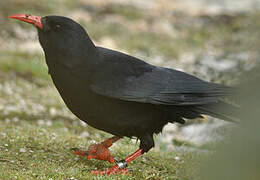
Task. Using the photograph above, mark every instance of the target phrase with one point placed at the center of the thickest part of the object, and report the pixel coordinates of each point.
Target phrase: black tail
(221, 110)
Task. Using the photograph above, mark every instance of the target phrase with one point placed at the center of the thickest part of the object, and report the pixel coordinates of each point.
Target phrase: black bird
(118, 93)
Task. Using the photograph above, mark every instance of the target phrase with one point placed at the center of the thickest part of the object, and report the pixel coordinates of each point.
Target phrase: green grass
(24, 63)
(35, 142)
(37, 130)
(31, 151)
(237, 34)
(39, 7)
(31, 67)
(128, 12)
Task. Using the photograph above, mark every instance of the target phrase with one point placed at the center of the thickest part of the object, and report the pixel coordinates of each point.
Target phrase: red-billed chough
(118, 93)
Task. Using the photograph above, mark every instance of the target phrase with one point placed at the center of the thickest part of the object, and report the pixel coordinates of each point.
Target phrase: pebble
(176, 158)
(22, 150)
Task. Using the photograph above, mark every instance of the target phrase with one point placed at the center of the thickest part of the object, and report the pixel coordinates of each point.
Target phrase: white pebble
(40, 122)
(84, 134)
(22, 150)
(177, 158)
(53, 111)
(49, 123)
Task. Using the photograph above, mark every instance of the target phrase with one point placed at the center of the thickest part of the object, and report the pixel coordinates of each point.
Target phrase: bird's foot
(98, 151)
(119, 168)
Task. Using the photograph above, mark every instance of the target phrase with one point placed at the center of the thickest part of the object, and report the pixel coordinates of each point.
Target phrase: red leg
(120, 167)
(99, 151)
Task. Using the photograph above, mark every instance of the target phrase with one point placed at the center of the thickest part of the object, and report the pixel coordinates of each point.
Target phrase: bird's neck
(72, 54)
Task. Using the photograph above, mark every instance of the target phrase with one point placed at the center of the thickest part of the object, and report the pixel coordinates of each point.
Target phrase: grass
(29, 151)
(128, 12)
(37, 130)
(228, 35)
(39, 7)
(23, 63)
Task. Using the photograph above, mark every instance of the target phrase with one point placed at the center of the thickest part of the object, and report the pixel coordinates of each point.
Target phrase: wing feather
(127, 78)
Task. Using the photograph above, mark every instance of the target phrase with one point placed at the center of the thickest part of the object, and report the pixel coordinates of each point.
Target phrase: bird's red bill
(31, 19)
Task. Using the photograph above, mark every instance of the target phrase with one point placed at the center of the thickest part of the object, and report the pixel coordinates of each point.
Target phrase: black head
(60, 33)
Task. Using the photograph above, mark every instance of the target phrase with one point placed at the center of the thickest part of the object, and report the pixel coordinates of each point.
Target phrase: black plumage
(118, 93)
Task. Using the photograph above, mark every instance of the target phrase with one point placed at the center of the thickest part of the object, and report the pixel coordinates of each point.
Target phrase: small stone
(15, 119)
(84, 134)
(176, 158)
(49, 123)
(53, 111)
(40, 122)
(22, 150)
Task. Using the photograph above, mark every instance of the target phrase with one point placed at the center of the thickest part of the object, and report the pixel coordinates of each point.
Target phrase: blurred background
(216, 40)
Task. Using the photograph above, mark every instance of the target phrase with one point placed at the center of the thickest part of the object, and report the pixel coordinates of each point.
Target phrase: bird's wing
(130, 79)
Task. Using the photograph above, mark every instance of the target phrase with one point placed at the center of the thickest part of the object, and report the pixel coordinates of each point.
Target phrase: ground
(37, 130)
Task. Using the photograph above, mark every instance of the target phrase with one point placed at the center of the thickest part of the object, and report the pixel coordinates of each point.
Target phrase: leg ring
(122, 164)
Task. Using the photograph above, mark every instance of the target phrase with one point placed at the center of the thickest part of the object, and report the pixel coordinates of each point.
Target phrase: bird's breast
(74, 91)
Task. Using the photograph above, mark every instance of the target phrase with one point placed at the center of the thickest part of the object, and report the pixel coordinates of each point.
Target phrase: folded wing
(130, 79)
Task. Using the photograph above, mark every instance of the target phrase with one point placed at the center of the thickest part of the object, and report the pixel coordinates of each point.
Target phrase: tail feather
(221, 110)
